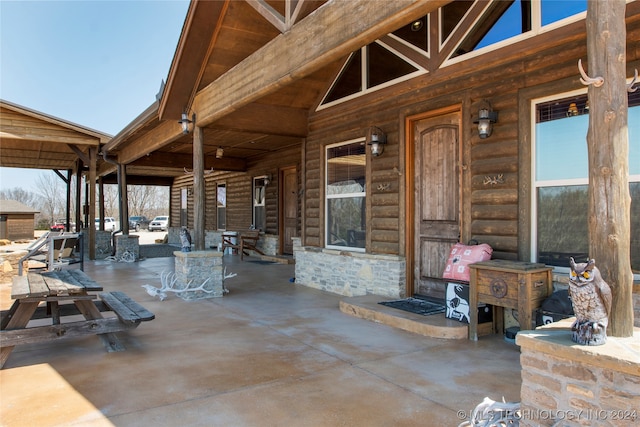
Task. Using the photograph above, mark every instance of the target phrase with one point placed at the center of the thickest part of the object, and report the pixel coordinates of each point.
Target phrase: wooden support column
(91, 202)
(124, 201)
(198, 188)
(67, 217)
(100, 203)
(608, 146)
(78, 195)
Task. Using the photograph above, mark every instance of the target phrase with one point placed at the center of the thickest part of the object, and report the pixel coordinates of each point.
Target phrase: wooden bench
(127, 310)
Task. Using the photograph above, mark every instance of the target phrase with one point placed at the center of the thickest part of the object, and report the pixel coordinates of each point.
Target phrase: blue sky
(95, 63)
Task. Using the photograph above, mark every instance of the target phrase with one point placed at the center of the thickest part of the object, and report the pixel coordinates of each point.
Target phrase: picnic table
(57, 295)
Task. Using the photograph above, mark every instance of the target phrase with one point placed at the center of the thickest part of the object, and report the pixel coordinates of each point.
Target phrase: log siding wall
(239, 212)
(494, 213)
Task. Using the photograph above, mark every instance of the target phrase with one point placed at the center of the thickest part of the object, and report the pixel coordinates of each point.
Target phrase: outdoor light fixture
(267, 179)
(573, 109)
(376, 139)
(486, 117)
(416, 25)
(219, 152)
(185, 122)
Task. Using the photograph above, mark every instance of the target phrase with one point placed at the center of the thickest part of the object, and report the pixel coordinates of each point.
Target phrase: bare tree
(111, 201)
(141, 199)
(52, 195)
(18, 194)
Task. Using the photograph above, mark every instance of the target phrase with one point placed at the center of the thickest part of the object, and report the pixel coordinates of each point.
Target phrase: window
(561, 179)
(221, 196)
(259, 213)
(506, 22)
(346, 196)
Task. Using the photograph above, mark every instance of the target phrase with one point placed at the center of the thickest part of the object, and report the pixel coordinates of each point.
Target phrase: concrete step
(282, 259)
(434, 326)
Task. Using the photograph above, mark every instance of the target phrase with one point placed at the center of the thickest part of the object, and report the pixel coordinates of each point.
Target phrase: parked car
(138, 223)
(59, 225)
(159, 223)
(109, 223)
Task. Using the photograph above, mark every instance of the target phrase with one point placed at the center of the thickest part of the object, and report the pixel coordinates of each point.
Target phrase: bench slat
(88, 283)
(125, 308)
(20, 288)
(142, 312)
(37, 285)
(61, 283)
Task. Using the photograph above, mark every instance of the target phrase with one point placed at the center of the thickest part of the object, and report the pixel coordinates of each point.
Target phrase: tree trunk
(608, 145)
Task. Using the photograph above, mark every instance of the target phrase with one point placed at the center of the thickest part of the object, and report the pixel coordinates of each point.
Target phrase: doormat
(262, 262)
(415, 305)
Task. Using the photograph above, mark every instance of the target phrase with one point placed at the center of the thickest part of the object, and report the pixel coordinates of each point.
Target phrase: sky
(96, 63)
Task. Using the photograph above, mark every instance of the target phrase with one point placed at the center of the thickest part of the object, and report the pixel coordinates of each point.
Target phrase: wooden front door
(436, 198)
(289, 210)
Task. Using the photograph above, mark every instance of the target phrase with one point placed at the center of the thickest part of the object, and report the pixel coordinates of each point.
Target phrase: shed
(16, 220)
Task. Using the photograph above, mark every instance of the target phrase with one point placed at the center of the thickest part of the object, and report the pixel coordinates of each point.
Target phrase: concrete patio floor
(269, 353)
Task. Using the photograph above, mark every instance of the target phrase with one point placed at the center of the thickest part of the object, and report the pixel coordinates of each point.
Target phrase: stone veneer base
(192, 269)
(350, 273)
(575, 384)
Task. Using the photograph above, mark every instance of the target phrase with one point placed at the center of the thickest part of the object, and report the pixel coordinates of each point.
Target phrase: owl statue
(591, 300)
(185, 240)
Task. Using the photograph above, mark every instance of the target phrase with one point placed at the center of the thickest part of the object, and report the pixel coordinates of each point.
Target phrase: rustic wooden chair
(230, 241)
(249, 242)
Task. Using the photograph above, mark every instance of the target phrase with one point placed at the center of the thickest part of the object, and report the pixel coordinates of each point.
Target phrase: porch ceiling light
(485, 120)
(376, 138)
(185, 122)
(219, 152)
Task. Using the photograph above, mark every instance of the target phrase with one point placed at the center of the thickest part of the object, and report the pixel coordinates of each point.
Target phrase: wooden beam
(162, 181)
(81, 155)
(269, 119)
(175, 160)
(331, 32)
(160, 136)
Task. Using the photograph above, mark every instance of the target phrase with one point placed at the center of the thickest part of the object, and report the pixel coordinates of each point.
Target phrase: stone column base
(128, 243)
(193, 269)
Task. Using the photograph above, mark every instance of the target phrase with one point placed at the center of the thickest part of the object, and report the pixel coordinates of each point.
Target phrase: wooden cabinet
(511, 284)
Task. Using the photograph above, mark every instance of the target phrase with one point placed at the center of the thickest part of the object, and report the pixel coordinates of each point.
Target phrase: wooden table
(511, 284)
(65, 293)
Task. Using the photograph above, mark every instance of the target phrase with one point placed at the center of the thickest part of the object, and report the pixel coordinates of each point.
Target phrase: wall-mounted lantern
(219, 152)
(376, 138)
(185, 122)
(485, 120)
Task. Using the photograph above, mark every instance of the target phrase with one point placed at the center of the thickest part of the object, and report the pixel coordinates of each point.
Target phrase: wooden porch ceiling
(31, 139)
(250, 85)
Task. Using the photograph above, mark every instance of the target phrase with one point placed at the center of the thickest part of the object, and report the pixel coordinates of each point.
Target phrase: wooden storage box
(510, 284)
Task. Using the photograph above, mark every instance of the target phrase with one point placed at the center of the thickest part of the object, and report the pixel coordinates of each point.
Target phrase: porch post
(608, 148)
(198, 188)
(124, 201)
(90, 215)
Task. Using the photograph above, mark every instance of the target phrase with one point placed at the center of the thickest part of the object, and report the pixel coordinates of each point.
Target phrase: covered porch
(270, 353)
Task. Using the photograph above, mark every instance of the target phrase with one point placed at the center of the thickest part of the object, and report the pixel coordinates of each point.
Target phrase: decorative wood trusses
(283, 23)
